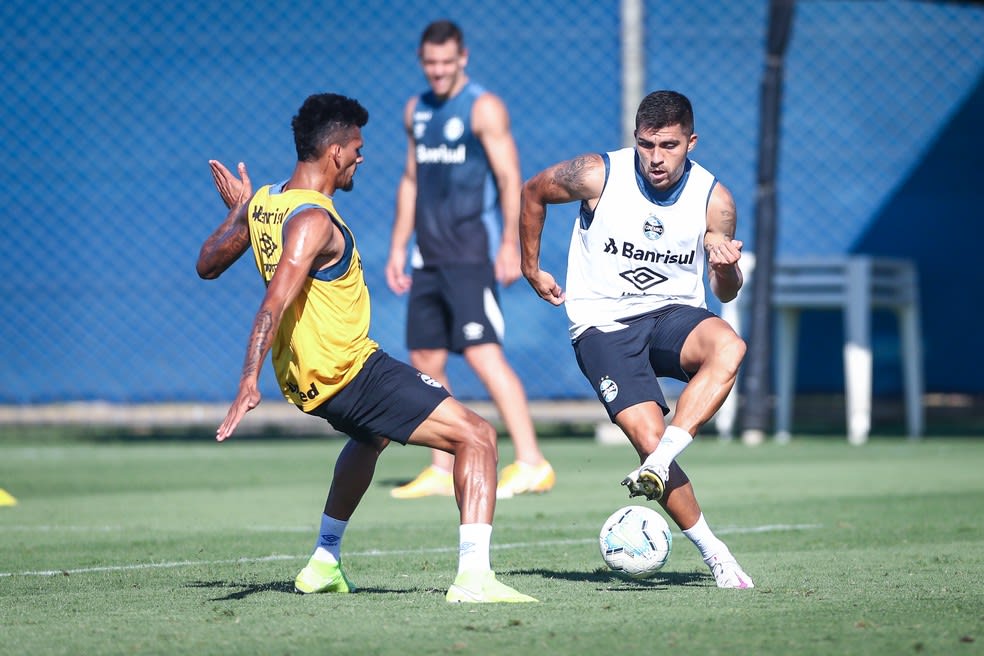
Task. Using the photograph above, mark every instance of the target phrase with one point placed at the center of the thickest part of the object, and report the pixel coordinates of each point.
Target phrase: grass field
(191, 547)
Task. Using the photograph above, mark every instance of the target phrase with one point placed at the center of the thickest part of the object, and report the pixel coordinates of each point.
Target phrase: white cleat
(728, 573)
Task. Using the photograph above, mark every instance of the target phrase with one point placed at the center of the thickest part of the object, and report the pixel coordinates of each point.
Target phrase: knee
(485, 435)
(372, 446)
(728, 353)
(731, 353)
(480, 435)
(643, 424)
(486, 358)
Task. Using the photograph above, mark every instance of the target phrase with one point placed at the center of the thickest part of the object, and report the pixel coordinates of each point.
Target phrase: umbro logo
(267, 245)
(643, 277)
(473, 331)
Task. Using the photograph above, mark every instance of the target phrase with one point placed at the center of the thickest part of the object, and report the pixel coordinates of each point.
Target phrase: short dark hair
(442, 31)
(662, 108)
(323, 119)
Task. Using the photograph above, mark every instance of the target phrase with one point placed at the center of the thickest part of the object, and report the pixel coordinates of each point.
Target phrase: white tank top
(639, 250)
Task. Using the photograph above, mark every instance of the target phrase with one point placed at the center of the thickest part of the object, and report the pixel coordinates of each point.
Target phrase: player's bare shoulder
(311, 234)
(579, 178)
(489, 114)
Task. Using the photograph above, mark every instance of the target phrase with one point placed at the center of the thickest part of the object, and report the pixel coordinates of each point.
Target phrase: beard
(348, 185)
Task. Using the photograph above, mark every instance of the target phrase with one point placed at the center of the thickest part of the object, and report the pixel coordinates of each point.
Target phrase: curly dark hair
(323, 119)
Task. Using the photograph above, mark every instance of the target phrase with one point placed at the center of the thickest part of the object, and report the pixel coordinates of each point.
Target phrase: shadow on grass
(603, 578)
(606, 577)
(242, 590)
(391, 482)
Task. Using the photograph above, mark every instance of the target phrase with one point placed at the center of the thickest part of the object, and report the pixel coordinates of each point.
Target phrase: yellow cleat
(430, 483)
(321, 576)
(6, 498)
(483, 588)
(521, 478)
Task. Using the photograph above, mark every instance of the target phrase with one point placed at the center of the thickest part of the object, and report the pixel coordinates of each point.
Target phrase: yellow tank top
(323, 340)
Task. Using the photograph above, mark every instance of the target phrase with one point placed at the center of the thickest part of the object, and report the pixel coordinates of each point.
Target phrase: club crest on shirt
(653, 227)
(608, 389)
(454, 128)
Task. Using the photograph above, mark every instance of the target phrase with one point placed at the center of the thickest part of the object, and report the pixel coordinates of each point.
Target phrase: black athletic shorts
(623, 366)
(454, 306)
(386, 399)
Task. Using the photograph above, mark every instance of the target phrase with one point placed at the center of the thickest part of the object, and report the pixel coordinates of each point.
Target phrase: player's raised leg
(715, 352)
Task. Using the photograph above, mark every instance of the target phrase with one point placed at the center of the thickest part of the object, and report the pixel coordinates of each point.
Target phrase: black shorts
(386, 399)
(453, 307)
(623, 366)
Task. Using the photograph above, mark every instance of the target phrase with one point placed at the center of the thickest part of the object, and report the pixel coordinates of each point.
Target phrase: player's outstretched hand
(234, 191)
(247, 399)
(544, 284)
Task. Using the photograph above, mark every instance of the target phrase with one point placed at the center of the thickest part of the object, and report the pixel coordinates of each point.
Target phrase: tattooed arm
(310, 241)
(231, 239)
(723, 250)
(578, 179)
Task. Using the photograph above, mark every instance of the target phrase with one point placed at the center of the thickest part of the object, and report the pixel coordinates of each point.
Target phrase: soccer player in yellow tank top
(315, 318)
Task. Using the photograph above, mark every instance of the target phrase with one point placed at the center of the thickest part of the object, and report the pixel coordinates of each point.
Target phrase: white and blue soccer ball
(635, 541)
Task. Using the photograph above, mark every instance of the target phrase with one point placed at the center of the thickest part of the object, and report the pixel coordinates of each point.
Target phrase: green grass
(191, 548)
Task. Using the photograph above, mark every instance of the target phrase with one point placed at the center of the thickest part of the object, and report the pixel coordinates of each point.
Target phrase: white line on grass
(372, 552)
(27, 528)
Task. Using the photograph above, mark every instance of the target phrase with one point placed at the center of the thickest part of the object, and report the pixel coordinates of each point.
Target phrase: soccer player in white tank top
(635, 297)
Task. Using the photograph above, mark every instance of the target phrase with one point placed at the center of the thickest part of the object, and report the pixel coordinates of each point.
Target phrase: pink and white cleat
(728, 573)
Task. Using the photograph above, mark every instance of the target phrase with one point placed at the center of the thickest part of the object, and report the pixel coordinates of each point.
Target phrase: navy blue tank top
(457, 214)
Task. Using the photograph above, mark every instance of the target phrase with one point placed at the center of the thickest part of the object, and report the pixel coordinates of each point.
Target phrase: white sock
(704, 539)
(329, 545)
(473, 547)
(672, 444)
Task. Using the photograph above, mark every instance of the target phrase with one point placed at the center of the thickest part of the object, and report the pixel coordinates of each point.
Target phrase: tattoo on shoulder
(571, 174)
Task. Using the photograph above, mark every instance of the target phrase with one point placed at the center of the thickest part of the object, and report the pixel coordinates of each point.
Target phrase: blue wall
(109, 113)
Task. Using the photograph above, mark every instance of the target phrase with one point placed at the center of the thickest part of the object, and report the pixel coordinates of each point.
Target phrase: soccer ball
(636, 541)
